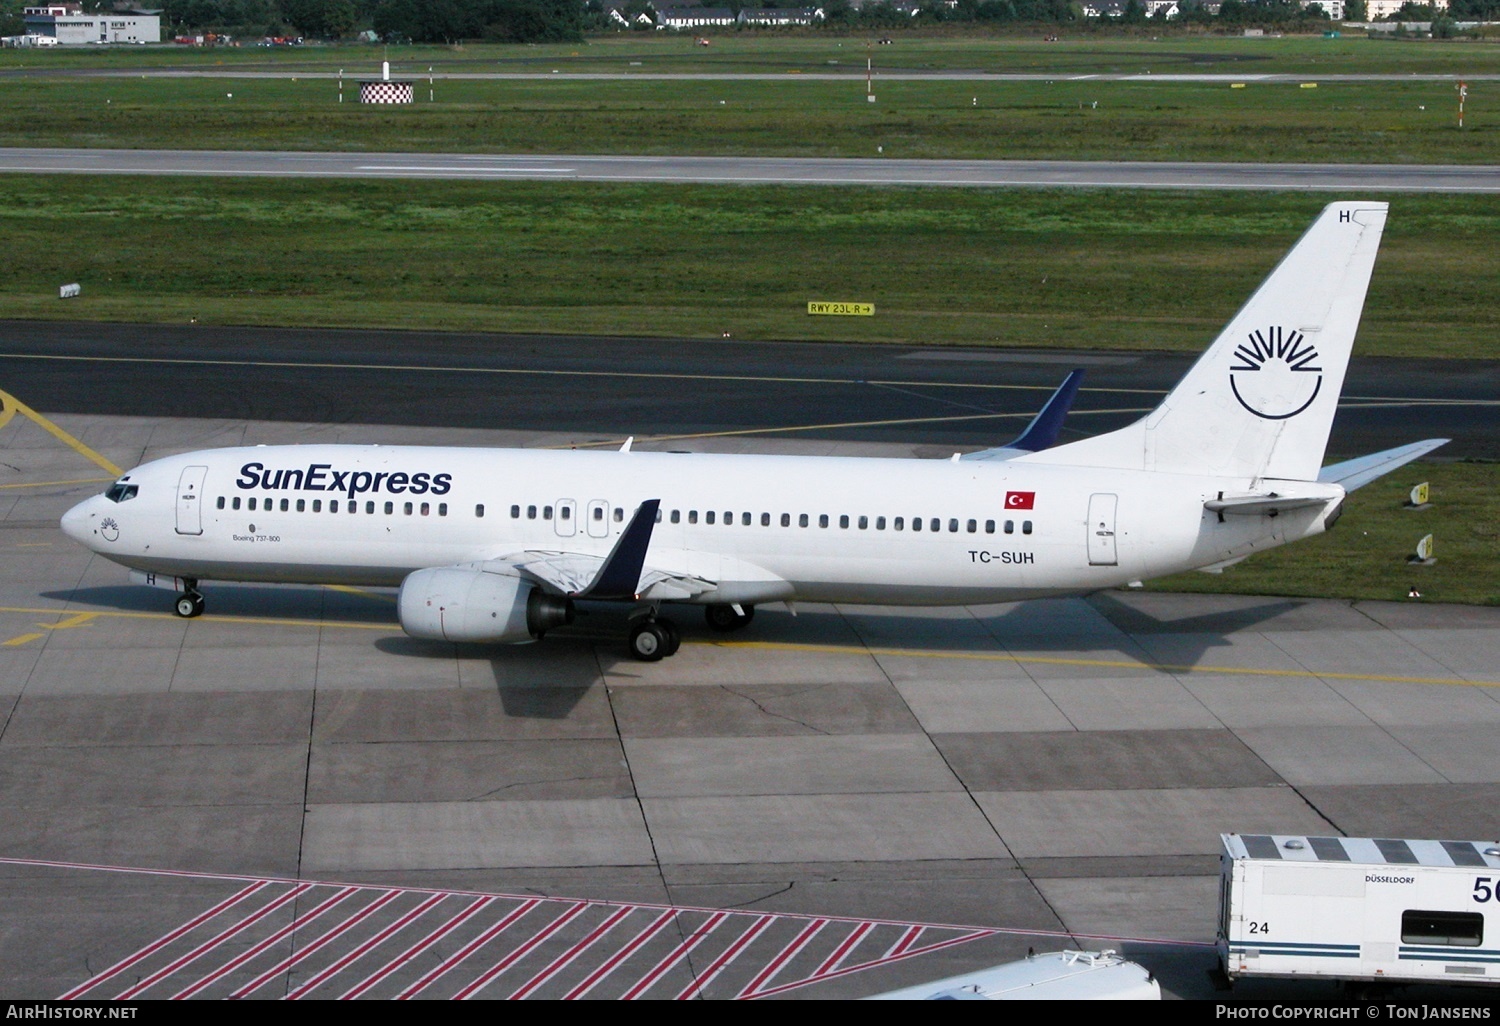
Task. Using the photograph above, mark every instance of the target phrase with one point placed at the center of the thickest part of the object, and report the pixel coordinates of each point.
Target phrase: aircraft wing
(572, 573)
(1042, 432)
(1359, 472)
(623, 574)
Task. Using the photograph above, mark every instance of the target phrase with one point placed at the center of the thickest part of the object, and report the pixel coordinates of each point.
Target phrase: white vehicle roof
(1370, 851)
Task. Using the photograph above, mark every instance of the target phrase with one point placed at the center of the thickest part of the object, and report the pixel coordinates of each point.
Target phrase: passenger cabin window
(546, 512)
(620, 515)
(121, 492)
(301, 505)
(786, 520)
(442, 509)
(822, 519)
(802, 520)
(844, 521)
(530, 511)
(479, 510)
(899, 524)
(1026, 527)
(220, 503)
(708, 517)
(407, 508)
(692, 516)
(515, 512)
(677, 516)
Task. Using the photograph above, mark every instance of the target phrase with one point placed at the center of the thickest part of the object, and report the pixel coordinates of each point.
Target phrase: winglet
(620, 576)
(1043, 430)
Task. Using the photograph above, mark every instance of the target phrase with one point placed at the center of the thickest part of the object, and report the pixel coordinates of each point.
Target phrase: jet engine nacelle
(463, 604)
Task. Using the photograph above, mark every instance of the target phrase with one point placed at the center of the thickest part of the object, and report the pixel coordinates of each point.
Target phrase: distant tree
(1354, 10)
(321, 19)
(11, 21)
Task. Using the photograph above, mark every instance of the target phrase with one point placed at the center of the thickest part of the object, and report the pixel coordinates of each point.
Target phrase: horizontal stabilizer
(1262, 505)
(1359, 472)
(1044, 428)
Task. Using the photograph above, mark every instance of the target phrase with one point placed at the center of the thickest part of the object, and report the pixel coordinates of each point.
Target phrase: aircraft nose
(77, 523)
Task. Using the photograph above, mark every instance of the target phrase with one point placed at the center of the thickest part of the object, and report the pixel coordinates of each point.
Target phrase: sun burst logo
(109, 529)
(1276, 375)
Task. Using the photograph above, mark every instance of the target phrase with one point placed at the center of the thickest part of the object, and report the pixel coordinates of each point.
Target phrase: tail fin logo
(1276, 374)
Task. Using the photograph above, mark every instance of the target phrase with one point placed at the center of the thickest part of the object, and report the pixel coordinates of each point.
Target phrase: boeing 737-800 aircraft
(495, 545)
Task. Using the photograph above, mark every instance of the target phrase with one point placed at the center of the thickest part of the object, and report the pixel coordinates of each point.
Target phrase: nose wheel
(653, 639)
(189, 603)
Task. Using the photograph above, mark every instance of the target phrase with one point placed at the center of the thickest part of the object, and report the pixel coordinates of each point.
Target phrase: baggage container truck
(1359, 909)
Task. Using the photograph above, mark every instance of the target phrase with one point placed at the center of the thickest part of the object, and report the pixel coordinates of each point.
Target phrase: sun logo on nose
(108, 529)
(1276, 375)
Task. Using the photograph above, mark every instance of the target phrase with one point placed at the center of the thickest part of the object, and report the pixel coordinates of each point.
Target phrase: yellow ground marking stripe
(73, 620)
(53, 484)
(543, 372)
(776, 646)
(10, 402)
(269, 621)
(361, 592)
(616, 443)
(1106, 663)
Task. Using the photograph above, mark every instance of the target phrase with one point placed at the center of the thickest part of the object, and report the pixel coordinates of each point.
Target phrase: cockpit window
(121, 492)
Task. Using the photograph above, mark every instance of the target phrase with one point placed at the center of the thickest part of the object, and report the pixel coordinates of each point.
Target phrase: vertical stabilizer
(1260, 402)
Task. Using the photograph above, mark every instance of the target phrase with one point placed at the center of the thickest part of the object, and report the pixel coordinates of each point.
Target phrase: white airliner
(494, 545)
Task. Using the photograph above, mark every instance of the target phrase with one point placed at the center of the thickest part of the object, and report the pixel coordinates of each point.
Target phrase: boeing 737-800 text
(495, 545)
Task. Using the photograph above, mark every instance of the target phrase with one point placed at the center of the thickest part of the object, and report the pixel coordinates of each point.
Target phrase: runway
(761, 170)
(288, 797)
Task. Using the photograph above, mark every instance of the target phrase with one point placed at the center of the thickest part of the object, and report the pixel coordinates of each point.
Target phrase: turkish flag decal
(1020, 500)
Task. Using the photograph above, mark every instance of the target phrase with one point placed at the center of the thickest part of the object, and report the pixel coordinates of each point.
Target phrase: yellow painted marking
(361, 592)
(74, 620)
(54, 484)
(33, 545)
(541, 372)
(775, 646)
(12, 403)
(269, 621)
(615, 443)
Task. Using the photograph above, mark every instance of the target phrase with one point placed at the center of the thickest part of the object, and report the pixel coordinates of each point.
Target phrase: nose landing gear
(190, 602)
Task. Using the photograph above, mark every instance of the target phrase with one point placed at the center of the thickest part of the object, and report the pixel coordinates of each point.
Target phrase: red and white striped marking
(324, 940)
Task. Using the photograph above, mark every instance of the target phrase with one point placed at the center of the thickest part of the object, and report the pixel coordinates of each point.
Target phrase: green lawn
(1376, 122)
(1130, 270)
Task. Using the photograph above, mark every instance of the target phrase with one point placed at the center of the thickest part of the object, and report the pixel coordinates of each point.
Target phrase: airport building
(70, 26)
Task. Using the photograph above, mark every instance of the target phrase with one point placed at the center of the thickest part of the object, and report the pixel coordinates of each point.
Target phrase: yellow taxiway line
(80, 618)
(10, 406)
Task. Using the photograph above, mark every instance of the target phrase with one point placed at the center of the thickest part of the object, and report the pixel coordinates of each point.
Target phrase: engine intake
(465, 604)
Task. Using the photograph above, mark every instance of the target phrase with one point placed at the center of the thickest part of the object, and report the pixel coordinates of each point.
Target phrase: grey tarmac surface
(1042, 775)
(602, 390)
(1344, 178)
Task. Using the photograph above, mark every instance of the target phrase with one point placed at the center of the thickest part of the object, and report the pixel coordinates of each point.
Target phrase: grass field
(1338, 122)
(1143, 270)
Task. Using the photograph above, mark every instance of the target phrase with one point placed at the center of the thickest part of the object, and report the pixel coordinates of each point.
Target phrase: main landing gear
(190, 602)
(653, 638)
(725, 618)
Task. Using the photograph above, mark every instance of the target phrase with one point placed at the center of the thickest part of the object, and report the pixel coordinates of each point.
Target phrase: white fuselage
(761, 528)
